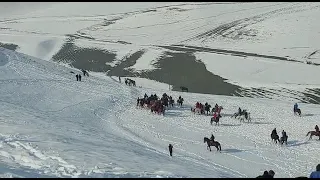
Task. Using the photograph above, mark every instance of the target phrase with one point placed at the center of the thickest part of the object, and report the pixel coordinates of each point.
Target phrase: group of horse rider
(128, 81)
(155, 104)
(206, 108)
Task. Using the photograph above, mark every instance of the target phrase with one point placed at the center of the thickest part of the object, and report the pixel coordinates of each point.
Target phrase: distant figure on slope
(316, 174)
(170, 149)
(85, 72)
(295, 107)
(119, 79)
(77, 76)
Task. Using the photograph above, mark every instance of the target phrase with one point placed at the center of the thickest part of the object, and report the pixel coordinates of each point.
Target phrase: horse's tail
(308, 133)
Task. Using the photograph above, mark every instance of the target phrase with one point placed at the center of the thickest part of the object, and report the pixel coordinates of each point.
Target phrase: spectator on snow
(170, 149)
(271, 173)
(295, 107)
(77, 76)
(265, 175)
(316, 174)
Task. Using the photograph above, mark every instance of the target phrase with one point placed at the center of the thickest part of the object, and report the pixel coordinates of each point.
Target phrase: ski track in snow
(51, 123)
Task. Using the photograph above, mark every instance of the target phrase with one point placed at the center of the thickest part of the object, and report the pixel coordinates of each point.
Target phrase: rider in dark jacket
(316, 128)
(212, 137)
(274, 131)
(284, 134)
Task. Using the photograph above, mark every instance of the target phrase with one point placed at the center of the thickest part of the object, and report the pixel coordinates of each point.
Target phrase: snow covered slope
(54, 126)
(254, 41)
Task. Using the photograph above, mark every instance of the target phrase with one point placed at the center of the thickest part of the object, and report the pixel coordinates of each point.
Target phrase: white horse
(196, 110)
(242, 117)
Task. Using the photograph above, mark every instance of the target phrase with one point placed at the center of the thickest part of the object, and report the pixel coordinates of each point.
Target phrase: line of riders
(128, 81)
(205, 109)
(157, 105)
(284, 138)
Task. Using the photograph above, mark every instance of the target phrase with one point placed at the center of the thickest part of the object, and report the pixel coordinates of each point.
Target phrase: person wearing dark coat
(316, 128)
(170, 149)
(212, 137)
(265, 175)
(274, 131)
(284, 134)
(77, 76)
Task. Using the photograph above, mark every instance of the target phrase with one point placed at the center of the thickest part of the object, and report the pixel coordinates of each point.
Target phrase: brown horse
(313, 133)
(212, 143)
(215, 120)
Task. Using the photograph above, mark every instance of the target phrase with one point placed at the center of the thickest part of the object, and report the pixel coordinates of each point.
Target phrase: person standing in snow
(119, 79)
(316, 174)
(295, 107)
(77, 76)
(170, 149)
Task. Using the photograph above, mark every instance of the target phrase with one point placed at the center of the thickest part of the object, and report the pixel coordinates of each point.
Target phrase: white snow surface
(261, 72)
(285, 29)
(54, 126)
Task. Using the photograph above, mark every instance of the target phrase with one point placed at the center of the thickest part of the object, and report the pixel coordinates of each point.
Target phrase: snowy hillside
(246, 44)
(54, 126)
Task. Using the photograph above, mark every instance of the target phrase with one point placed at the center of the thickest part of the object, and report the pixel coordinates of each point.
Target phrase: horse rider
(239, 111)
(316, 128)
(284, 134)
(215, 115)
(274, 131)
(212, 138)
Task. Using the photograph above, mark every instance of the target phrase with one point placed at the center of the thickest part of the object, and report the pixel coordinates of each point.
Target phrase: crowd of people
(271, 174)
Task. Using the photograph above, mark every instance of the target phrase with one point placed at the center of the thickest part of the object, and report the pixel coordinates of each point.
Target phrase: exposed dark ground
(178, 68)
(12, 47)
(175, 68)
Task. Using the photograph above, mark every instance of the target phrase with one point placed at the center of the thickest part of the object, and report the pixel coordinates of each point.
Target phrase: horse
(180, 101)
(196, 110)
(212, 143)
(313, 133)
(215, 120)
(246, 116)
(284, 140)
(275, 138)
(207, 108)
(295, 111)
(184, 89)
(171, 102)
